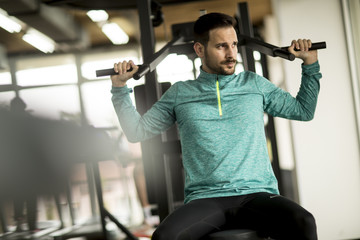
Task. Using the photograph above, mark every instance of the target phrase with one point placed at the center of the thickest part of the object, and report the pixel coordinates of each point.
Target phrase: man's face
(221, 51)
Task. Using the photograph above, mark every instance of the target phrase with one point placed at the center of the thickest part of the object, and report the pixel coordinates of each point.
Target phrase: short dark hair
(210, 21)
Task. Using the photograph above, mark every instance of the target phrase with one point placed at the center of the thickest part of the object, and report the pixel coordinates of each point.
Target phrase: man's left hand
(303, 45)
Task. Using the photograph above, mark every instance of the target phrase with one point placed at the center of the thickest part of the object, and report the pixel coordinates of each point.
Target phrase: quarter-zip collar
(216, 82)
(210, 79)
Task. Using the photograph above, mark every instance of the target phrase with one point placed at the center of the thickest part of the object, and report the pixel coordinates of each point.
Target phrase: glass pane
(61, 102)
(197, 63)
(239, 68)
(5, 78)
(5, 98)
(239, 58)
(47, 75)
(94, 62)
(46, 70)
(99, 110)
(258, 68)
(257, 55)
(175, 68)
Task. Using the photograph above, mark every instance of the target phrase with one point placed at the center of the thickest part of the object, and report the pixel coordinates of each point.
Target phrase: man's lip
(230, 64)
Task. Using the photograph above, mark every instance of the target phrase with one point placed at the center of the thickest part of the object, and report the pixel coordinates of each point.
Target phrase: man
(18, 107)
(229, 182)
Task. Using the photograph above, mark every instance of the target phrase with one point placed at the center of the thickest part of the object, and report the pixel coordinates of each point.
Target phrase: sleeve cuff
(121, 90)
(311, 68)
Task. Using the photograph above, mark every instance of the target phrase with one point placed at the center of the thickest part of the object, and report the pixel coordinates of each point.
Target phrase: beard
(222, 68)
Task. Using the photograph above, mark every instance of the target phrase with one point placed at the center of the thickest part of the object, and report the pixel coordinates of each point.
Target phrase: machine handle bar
(145, 68)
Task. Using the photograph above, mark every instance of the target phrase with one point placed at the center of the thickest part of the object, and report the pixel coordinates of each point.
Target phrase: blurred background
(52, 102)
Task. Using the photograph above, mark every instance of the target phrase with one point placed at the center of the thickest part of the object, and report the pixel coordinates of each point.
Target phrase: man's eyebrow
(225, 43)
(221, 44)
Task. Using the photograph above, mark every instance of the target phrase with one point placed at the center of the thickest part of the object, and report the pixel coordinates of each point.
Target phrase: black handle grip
(110, 71)
(284, 53)
(314, 46)
(105, 72)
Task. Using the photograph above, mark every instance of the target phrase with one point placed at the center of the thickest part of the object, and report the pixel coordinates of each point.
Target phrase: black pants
(271, 215)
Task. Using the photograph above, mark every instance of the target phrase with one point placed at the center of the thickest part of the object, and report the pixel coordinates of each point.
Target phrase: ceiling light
(98, 15)
(39, 40)
(114, 32)
(10, 24)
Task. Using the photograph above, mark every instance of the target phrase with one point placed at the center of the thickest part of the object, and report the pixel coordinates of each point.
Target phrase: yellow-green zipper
(218, 97)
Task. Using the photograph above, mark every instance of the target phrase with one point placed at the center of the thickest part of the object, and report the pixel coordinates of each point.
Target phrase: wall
(326, 150)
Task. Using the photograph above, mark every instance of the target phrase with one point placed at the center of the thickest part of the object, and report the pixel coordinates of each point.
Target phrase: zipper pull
(218, 96)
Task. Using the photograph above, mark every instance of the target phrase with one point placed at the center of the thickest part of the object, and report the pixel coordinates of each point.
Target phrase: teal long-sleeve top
(221, 126)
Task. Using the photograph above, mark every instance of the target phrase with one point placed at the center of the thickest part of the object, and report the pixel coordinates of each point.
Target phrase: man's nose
(231, 52)
(230, 56)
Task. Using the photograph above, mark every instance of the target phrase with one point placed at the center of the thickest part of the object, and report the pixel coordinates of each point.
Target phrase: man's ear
(199, 49)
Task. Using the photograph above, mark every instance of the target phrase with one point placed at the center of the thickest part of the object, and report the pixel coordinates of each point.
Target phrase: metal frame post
(245, 28)
(153, 163)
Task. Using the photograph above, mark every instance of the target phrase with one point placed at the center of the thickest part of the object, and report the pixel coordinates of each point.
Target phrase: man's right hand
(123, 75)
